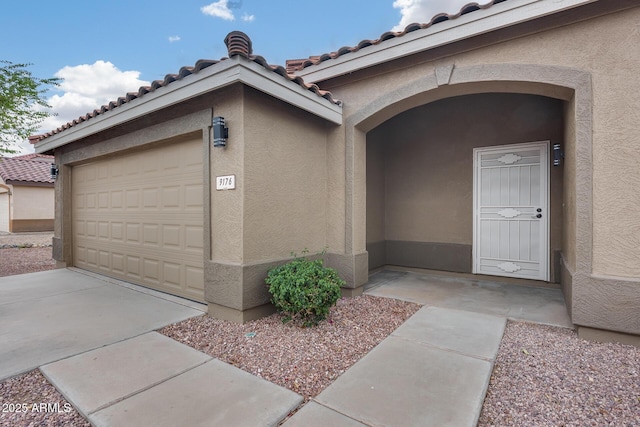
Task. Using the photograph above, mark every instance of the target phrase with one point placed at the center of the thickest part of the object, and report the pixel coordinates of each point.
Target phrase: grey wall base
(57, 252)
(352, 268)
(239, 316)
(431, 256)
(602, 304)
(434, 256)
(238, 293)
(600, 335)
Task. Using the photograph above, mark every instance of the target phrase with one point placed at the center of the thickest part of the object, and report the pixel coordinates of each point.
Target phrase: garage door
(139, 217)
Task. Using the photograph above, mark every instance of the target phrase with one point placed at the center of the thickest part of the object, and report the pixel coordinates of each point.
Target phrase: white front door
(511, 211)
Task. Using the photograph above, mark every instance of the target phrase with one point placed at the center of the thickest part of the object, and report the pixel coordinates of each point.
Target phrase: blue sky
(106, 48)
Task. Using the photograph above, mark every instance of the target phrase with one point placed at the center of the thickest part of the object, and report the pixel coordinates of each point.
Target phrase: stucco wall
(285, 179)
(376, 184)
(569, 194)
(4, 209)
(227, 241)
(32, 202)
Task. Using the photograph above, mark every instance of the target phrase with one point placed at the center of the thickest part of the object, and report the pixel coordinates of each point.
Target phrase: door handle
(537, 216)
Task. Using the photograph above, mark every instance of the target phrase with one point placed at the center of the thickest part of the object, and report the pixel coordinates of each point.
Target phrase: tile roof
(35, 157)
(238, 44)
(293, 65)
(27, 168)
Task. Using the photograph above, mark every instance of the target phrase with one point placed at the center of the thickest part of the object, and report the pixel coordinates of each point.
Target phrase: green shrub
(304, 289)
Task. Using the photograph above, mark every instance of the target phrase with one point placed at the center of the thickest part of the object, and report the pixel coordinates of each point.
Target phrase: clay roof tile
(27, 168)
(299, 64)
(238, 43)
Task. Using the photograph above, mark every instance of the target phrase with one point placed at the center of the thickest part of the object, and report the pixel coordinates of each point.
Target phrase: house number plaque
(226, 182)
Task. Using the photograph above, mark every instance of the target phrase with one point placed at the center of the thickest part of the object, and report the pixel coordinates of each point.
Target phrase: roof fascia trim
(498, 16)
(225, 73)
(256, 76)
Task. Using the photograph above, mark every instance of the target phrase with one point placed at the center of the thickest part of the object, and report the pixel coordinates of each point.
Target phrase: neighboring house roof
(293, 65)
(238, 44)
(35, 157)
(30, 168)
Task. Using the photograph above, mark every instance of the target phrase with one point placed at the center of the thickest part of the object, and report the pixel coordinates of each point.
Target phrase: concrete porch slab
(101, 377)
(213, 394)
(540, 305)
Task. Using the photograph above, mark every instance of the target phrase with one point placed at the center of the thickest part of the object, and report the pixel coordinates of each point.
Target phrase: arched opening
(420, 183)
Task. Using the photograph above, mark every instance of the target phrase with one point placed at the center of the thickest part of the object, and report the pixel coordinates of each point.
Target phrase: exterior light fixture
(54, 171)
(220, 133)
(557, 155)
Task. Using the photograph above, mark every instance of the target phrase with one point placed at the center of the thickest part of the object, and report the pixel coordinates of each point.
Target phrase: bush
(304, 289)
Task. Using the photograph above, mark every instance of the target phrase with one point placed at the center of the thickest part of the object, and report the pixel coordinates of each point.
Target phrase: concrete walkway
(93, 338)
(433, 370)
(152, 380)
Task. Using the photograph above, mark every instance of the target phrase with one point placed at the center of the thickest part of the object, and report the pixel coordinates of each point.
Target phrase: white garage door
(139, 217)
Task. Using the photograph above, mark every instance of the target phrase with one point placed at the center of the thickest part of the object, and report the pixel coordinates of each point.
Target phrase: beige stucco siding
(569, 193)
(226, 206)
(32, 202)
(285, 179)
(376, 185)
(4, 209)
(611, 61)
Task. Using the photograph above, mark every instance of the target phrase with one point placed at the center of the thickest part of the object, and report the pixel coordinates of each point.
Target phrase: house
(26, 193)
(503, 140)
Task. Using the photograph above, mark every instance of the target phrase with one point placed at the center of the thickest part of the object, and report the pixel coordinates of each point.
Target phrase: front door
(511, 211)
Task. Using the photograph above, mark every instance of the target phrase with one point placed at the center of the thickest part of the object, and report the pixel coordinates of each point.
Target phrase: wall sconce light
(54, 171)
(557, 155)
(220, 133)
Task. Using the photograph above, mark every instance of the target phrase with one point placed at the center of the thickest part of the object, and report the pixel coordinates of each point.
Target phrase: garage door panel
(139, 217)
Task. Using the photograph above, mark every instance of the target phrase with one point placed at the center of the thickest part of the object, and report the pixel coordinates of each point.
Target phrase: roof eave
(234, 70)
(22, 183)
(498, 16)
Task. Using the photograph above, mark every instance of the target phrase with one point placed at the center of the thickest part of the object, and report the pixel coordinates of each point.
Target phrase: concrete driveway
(51, 315)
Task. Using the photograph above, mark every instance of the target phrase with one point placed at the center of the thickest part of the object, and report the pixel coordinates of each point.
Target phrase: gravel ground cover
(25, 260)
(30, 400)
(304, 360)
(547, 376)
(25, 253)
(25, 240)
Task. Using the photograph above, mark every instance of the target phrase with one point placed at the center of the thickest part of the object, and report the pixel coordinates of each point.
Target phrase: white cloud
(219, 9)
(422, 11)
(87, 87)
(174, 39)
(248, 18)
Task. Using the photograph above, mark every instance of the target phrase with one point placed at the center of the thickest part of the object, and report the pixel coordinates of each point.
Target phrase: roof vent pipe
(238, 43)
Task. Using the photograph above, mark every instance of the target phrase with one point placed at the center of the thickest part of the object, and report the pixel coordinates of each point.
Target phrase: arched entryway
(420, 187)
(567, 91)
